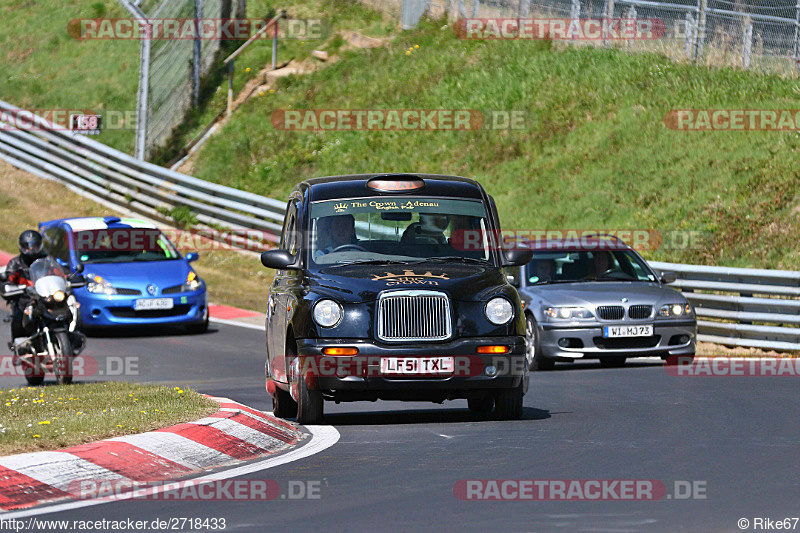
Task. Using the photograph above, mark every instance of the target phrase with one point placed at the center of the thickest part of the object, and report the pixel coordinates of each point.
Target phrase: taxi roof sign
(396, 183)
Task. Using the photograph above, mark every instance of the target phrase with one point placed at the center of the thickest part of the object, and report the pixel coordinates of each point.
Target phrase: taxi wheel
(283, 406)
(481, 406)
(508, 403)
(309, 404)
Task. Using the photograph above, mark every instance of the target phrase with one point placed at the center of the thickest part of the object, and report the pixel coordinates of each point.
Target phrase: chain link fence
(741, 33)
(171, 70)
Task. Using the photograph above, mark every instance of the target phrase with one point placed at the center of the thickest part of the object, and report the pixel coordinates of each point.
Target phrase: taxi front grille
(414, 316)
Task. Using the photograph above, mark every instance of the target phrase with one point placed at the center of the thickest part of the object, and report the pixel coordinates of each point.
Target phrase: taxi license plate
(153, 303)
(417, 365)
(628, 331)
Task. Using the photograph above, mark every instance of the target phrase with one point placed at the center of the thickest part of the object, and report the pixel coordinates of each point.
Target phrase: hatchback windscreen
(123, 245)
(595, 265)
(398, 230)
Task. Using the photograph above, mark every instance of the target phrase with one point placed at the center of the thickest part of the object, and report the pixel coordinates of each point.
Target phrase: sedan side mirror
(517, 257)
(668, 277)
(191, 257)
(277, 259)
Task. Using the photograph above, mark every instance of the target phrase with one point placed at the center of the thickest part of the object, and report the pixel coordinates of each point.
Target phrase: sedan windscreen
(586, 265)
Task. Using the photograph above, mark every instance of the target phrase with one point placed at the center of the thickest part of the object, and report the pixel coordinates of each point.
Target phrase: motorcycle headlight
(675, 310)
(59, 296)
(192, 282)
(327, 313)
(568, 313)
(499, 311)
(98, 285)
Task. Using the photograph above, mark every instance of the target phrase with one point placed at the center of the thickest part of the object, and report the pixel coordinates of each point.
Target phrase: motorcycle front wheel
(62, 361)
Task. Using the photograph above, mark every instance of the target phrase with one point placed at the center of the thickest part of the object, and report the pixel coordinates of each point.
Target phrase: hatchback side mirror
(79, 268)
(518, 257)
(277, 259)
(668, 277)
(191, 257)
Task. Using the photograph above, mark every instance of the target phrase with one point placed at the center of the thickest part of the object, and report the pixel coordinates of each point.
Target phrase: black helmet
(30, 244)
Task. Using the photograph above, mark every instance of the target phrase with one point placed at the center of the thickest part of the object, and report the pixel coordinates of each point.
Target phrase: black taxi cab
(392, 287)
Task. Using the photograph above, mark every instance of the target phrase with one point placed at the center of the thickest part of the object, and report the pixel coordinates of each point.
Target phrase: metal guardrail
(50, 151)
(735, 306)
(742, 306)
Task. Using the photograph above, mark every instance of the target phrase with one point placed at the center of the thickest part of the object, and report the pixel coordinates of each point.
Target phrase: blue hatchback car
(135, 275)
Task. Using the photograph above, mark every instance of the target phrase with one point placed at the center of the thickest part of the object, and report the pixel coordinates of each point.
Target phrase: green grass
(46, 418)
(44, 68)
(595, 152)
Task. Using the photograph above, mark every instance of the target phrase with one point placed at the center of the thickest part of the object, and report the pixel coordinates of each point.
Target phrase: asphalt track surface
(395, 465)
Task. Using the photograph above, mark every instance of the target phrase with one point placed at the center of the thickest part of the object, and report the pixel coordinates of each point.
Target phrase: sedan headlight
(675, 310)
(568, 313)
(499, 311)
(327, 313)
(98, 285)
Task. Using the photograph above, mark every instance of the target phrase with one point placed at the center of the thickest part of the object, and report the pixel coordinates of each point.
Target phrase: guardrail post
(688, 38)
(700, 32)
(275, 44)
(747, 42)
(796, 54)
(575, 15)
(607, 15)
(230, 87)
(631, 21)
(196, 53)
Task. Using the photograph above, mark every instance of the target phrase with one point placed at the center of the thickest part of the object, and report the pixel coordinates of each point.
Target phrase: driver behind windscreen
(333, 232)
(601, 263)
(429, 230)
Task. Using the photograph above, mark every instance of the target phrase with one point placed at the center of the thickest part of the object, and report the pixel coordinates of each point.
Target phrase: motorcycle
(50, 316)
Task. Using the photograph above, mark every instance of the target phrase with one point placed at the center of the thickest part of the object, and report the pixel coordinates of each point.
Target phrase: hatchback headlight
(327, 313)
(499, 311)
(568, 313)
(98, 285)
(675, 310)
(192, 282)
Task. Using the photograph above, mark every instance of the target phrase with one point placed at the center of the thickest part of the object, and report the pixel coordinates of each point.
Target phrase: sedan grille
(414, 316)
(611, 312)
(640, 312)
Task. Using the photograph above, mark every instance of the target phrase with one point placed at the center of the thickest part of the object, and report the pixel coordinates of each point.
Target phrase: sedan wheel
(533, 355)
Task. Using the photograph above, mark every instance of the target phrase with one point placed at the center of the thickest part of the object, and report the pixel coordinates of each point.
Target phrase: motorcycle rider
(18, 272)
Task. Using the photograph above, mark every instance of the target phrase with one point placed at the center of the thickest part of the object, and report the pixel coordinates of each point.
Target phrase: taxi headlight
(499, 311)
(327, 313)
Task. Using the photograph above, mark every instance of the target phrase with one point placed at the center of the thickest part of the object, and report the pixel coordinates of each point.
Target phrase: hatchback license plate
(628, 331)
(417, 365)
(153, 303)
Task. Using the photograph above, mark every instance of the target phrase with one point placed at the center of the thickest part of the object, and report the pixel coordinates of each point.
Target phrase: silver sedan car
(601, 300)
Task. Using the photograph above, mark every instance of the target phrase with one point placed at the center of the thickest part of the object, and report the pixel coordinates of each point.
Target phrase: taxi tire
(309, 404)
(481, 406)
(283, 406)
(508, 403)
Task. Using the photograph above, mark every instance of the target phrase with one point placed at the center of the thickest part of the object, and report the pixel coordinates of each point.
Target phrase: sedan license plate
(417, 365)
(628, 331)
(153, 303)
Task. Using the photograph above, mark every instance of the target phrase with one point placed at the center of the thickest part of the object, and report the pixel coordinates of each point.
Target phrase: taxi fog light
(340, 351)
(327, 313)
(493, 349)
